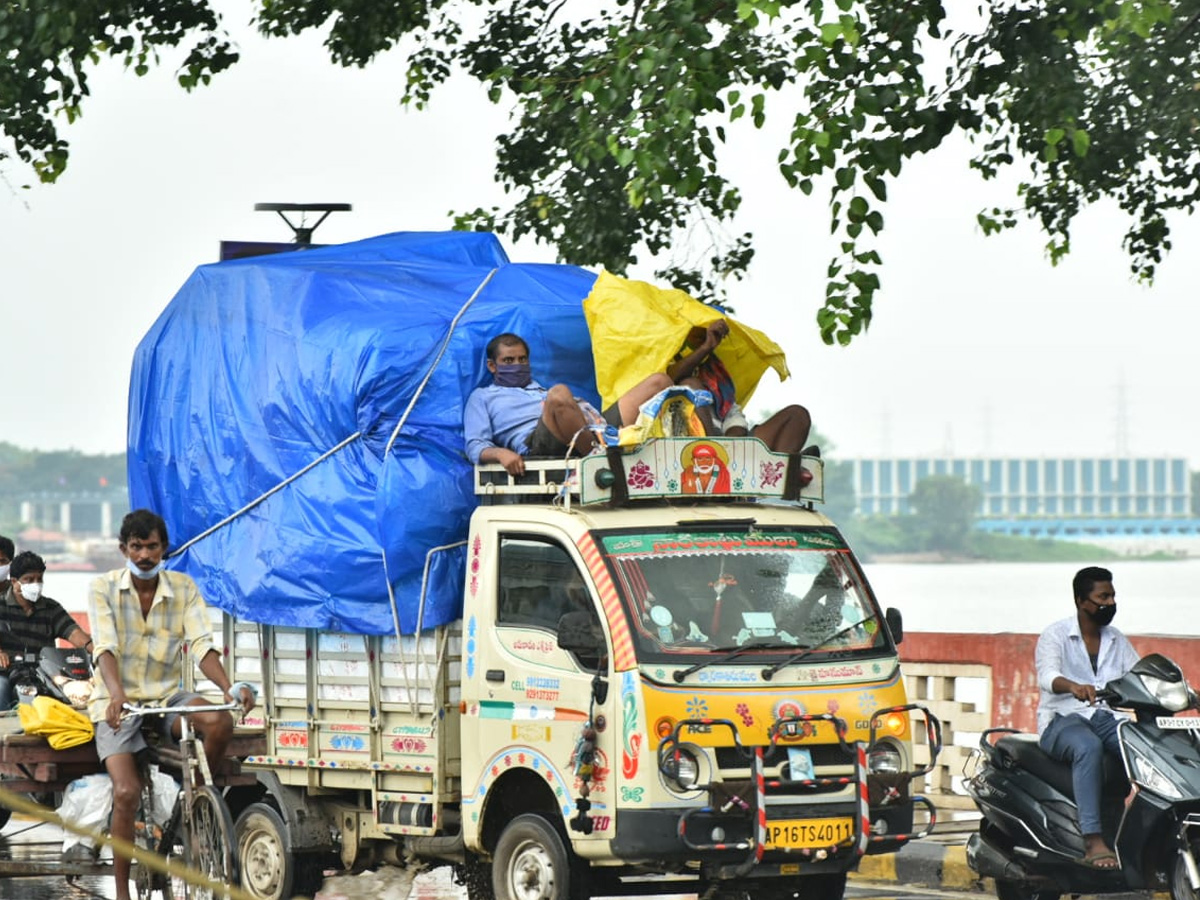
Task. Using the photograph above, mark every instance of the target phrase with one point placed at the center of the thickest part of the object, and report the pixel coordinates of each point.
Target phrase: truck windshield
(767, 591)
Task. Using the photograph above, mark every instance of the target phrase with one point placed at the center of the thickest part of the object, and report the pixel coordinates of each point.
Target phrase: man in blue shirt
(1075, 657)
(515, 417)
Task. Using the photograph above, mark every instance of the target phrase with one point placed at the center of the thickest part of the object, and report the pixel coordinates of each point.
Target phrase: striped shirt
(147, 648)
(21, 632)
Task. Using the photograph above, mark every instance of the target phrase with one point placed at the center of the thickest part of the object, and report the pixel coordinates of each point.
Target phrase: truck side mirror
(895, 623)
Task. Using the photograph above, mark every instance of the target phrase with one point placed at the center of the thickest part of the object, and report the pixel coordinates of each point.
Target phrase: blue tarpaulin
(296, 370)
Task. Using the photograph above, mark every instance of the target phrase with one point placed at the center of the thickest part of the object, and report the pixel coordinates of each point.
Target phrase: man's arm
(103, 618)
(513, 462)
(107, 664)
(477, 428)
(214, 671)
(1049, 660)
(481, 447)
(713, 335)
(81, 639)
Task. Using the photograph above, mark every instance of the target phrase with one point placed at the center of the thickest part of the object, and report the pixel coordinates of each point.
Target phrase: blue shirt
(1061, 651)
(502, 417)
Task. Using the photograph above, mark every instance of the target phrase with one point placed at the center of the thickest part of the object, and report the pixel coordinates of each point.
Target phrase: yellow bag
(62, 726)
(637, 328)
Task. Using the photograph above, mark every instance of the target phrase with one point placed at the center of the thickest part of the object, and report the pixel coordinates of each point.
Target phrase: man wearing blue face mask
(29, 620)
(515, 417)
(141, 616)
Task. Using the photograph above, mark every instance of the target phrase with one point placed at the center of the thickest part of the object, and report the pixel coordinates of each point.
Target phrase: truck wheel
(269, 870)
(532, 863)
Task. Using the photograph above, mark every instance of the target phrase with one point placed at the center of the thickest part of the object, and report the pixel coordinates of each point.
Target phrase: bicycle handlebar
(131, 709)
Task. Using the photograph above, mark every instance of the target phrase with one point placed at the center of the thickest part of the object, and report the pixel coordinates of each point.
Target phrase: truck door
(536, 708)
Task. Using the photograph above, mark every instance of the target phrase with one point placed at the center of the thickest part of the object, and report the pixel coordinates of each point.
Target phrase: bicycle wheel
(209, 842)
(161, 839)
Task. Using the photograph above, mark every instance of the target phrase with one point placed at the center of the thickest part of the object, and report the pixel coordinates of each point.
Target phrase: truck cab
(687, 683)
(655, 674)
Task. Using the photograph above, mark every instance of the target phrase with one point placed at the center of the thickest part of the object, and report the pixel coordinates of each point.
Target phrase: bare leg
(127, 791)
(786, 431)
(214, 728)
(629, 402)
(564, 418)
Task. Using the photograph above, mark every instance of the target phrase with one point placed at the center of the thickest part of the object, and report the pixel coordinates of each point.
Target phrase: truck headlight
(884, 759)
(683, 768)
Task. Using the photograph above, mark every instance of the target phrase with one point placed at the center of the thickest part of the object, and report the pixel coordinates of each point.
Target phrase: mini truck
(660, 670)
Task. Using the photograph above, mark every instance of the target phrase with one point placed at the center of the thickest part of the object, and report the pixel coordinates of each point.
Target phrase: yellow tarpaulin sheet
(637, 330)
(61, 725)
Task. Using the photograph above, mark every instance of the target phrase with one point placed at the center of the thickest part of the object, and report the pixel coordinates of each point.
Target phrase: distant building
(1047, 488)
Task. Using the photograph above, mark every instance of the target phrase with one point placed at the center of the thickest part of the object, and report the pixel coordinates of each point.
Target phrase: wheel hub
(533, 874)
(262, 864)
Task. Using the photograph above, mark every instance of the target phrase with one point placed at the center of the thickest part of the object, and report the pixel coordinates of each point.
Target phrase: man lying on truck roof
(514, 416)
(142, 614)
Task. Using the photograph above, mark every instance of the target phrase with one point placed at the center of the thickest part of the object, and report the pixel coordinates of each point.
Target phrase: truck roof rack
(711, 469)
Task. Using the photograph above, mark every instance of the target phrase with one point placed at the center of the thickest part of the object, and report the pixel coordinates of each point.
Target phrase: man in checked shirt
(141, 616)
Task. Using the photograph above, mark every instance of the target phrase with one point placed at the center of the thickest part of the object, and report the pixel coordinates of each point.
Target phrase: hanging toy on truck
(559, 682)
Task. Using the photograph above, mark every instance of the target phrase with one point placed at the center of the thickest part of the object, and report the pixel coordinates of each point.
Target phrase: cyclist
(142, 616)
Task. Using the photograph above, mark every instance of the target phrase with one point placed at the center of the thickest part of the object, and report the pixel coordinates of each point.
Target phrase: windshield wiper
(730, 653)
(769, 672)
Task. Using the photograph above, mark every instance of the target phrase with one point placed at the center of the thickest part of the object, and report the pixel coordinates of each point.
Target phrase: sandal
(1096, 860)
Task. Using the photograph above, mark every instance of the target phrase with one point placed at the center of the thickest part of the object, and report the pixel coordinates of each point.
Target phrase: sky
(978, 346)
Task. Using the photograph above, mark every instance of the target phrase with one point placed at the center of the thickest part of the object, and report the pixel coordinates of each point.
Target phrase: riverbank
(982, 547)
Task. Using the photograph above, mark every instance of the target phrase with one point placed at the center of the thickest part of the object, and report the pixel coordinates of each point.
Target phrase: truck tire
(532, 862)
(269, 870)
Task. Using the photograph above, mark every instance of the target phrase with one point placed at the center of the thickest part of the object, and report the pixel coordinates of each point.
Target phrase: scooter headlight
(1172, 696)
(1146, 774)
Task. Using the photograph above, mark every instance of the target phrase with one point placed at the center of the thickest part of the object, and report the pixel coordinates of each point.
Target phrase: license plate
(802, 833)
(1179, 722)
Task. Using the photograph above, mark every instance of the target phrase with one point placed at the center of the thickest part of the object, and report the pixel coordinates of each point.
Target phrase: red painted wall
(1014, 679)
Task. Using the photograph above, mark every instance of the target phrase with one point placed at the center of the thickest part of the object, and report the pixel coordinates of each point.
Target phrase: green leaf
(1081, 142)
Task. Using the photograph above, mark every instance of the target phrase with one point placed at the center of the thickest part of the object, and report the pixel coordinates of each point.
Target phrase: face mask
(515, 375)
(1103, 614)
(4, 572)
(145, 575)
(31, 592)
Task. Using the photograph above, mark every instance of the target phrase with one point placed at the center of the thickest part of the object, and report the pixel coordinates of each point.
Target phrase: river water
(1156, 597)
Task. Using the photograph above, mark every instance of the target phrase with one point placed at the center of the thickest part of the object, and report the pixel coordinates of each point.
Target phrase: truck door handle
(494, 675)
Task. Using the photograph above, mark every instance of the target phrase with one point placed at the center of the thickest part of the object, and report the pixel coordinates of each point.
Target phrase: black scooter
(1029, 839)
(65, 675)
